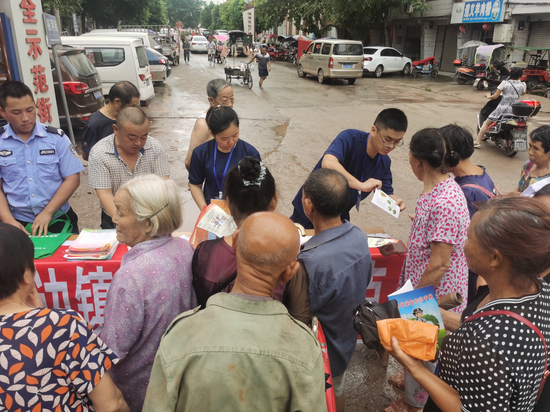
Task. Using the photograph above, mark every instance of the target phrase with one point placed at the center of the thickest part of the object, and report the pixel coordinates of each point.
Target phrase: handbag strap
(66, 229)
(485, 191)
(512, 84)
(527, 323)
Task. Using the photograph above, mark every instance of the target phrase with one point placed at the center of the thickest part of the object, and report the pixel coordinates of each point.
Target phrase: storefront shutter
(539, 35)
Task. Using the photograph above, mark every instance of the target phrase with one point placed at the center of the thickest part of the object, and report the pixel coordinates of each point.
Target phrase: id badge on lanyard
(220, 186)
(358, 201)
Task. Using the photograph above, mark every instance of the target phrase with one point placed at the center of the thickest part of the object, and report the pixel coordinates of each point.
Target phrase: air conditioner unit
(503, 33)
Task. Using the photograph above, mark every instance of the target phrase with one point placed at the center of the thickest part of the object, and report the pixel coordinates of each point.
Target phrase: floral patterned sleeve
(523, 177)
(442, 225)
(88, 357)
(50, 359)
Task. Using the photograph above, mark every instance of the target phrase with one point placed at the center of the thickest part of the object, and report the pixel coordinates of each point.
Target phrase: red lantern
(487, 27)
(462, 28)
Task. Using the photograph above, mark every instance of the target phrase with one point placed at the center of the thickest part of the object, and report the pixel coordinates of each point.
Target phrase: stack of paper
(93, 244)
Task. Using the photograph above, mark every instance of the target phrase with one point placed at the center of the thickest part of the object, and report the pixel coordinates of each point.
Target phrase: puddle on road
(280, 130)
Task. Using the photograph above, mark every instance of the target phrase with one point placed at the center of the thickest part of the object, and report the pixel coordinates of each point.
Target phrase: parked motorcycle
(292, 55)
(426, 66)
(468, 74)
(510, 131)
(492, 77)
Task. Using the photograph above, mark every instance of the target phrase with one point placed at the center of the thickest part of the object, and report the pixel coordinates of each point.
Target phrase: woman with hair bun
(248, 188)
(212, 160)
(435, 253)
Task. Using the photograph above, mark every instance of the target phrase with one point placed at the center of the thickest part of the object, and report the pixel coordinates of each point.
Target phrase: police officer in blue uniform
(39, 169)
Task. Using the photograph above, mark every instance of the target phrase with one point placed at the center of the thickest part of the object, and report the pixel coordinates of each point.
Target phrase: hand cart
(240, 72)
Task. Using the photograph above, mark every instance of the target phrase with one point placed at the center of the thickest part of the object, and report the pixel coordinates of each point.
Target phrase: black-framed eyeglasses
(390, 142)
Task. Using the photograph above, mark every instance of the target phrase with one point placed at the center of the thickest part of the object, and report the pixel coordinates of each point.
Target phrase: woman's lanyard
(358, 201)
(224, 170)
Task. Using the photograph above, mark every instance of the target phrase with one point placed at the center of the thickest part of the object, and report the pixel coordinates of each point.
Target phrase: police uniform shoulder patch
(54, 130)
(72, 148)
(181, 316)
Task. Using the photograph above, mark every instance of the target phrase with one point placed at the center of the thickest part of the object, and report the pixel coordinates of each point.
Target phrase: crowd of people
(226, 326)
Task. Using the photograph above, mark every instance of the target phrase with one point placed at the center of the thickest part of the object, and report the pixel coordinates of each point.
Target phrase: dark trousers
(186, 55)
(58, 226)
(106, 221)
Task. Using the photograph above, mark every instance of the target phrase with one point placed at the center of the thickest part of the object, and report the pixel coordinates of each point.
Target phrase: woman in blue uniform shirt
(212, 160)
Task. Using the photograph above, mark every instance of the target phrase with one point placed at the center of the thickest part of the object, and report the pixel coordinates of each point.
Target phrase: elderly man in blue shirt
(336, 268)
(39, 169)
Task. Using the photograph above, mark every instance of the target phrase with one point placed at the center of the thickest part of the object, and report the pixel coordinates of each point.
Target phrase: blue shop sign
(488, 11)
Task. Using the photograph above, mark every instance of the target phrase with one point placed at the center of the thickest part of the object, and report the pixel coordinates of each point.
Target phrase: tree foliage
(206, 15)
(355, 18)
(188, 12)
(66, 7)
(312, 16)
(228, 15)
(109, 12)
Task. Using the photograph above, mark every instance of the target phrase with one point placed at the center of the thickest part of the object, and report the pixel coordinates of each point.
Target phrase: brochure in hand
(386, 203)
(419, 305)
(212, 223)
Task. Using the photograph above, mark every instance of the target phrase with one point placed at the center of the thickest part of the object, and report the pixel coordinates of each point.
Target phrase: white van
(116, 59)
(148, 40)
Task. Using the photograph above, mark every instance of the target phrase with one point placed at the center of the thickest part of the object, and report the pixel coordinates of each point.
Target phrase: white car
(198, 44)
(378, 60)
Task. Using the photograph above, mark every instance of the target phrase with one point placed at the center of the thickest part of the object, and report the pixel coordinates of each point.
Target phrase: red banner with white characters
(83, 285)
(385, 275)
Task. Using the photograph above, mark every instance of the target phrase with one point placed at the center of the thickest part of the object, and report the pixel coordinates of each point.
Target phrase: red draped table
(77, 285)
(83, 285)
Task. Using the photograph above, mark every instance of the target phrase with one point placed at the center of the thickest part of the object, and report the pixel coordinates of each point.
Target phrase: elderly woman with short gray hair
(153, 284)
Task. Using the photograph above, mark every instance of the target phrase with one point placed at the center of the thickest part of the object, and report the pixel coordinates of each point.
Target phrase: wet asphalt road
(291, 123)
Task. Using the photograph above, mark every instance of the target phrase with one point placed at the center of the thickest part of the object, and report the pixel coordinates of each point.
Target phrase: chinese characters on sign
(35, 51)
(248, 21)
(482, 11)
(87, 296)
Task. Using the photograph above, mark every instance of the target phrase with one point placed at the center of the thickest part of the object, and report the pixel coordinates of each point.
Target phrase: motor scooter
(492, 77)
(426, 66)
(509, 132)
(291, 55)
(468, 74)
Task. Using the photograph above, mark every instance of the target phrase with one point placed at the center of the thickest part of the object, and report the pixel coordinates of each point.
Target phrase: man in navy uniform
(39, 169)
(363, 160)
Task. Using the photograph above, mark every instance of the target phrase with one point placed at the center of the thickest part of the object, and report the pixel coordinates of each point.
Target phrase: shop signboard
(33, 60)
(487, 11)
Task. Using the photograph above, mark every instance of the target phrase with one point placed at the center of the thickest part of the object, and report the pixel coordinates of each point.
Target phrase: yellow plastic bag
(416, 339)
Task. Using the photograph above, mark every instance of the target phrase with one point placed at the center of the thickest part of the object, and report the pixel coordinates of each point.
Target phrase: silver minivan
(332, 59)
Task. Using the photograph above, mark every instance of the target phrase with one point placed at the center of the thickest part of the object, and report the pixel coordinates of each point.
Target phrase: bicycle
(211, 59)
(247, 78)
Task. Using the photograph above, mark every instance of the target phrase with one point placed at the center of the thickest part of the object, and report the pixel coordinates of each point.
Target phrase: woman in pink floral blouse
(435, 253)
(436, 241)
